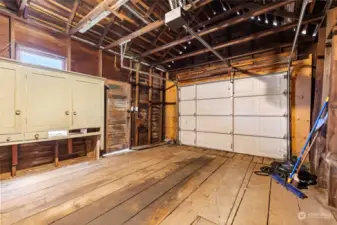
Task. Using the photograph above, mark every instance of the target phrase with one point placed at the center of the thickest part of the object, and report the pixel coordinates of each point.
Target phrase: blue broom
(287, 184)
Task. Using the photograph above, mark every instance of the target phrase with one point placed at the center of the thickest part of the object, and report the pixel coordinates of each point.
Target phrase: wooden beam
(14, 159)
(149, 113)
(12, 49)
(22, 7)
(102, 7)
(161, 116)
(72, 15)
(56, 154)
(137, 105)
(242, 40)
(106, 30)
(100, 63)
(231, 22)
(70, 146)
(144, 30)
(69, 54)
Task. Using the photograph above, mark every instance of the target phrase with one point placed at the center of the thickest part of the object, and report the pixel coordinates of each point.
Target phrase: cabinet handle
(17, 112)
(8, 139)
(75, 113)
(36, 136)
(67, 113)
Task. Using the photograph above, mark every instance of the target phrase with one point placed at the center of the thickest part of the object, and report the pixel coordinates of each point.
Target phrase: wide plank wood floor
(167, 185)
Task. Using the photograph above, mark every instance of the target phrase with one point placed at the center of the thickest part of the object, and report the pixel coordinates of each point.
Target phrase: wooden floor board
(162, 207)
(59, 197)
(165, 185)
(99, 207)
(128, 209)
(96, 177)
(253, 209)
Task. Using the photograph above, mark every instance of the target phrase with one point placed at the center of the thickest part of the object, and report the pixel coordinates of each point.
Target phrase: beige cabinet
(11, 99)
(35, 101)
(87, 97)
(48, 101)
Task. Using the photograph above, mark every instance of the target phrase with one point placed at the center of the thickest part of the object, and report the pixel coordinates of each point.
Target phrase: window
(31, 56)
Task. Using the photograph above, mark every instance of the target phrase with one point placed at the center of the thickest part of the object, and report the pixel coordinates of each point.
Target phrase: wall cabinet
(36, 101)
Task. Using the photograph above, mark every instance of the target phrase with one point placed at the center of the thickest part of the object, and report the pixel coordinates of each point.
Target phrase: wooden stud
(56, 154)
(69, 54)
(12, 52)
(100, 63)
(149, 113)
(98, 147)
(70, 146)
(14, 159)
(72, 15)
(137, 105)
(161, 119)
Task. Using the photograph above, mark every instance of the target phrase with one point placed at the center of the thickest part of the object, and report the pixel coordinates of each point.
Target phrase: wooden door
(117, 116)
(11, 94)
(48, 101)
(87, 103)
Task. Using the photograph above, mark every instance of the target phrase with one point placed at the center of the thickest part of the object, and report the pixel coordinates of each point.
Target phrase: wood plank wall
(82, 58)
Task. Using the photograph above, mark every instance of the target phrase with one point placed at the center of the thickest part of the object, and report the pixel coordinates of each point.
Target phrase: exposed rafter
(72, 15)
(106, 30)
(221, 26)
(242, 40)
(22, 7)
(98, 10)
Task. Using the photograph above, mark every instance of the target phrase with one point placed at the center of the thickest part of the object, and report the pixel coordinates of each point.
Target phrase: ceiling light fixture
(189, 42)
(304, 31)
(252, 17)
(258, 18)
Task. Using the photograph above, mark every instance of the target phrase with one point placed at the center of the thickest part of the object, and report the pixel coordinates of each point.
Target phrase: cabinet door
(11, 93)
(48, 101)
(87, 103)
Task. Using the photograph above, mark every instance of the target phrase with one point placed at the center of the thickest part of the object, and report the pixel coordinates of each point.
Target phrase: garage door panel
(261, 126)
(220, 124)
(214, 90)
(187, 122)
(187, 93)
(187, 108)
(214, 107)
(267, 147)
(275, 105)
(214, 141)
(263, 85)
(187, 137)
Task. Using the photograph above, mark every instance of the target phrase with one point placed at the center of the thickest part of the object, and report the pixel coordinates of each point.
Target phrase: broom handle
(307, 152)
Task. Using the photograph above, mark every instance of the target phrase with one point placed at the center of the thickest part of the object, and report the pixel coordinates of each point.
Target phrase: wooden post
(136, 105)
(70, 146)
(149, 113)
(331, 143)
(14, 159)
(56, 154)
(98, 147)
(161, 119)
(100, 63)
(69, 54)
(12, 54)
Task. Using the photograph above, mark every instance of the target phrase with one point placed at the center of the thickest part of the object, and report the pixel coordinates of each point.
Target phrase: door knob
(67, 113)
(36, 136)
(17, 112)
(75, 113)
(8, 139)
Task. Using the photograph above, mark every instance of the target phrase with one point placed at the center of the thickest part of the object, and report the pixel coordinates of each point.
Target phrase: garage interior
(196, 112)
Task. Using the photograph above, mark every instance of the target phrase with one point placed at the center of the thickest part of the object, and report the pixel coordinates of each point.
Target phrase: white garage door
(248, 115)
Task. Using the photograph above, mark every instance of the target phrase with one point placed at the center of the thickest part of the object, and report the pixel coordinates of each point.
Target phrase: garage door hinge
(285, 114)
(285, 136)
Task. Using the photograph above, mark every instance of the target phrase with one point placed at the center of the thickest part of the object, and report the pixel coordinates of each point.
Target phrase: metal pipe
(304, 5)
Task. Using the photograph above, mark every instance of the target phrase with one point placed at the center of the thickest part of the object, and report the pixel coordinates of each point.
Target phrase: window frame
(21, 48)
